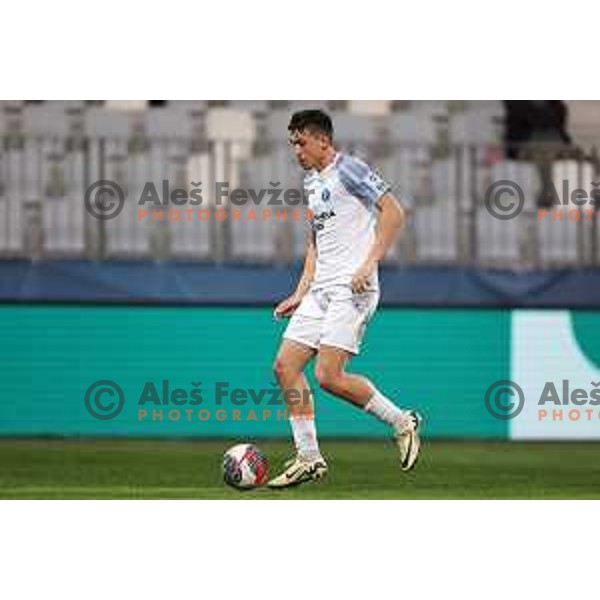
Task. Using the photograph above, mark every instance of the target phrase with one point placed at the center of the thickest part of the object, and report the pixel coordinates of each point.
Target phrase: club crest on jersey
(325, 195)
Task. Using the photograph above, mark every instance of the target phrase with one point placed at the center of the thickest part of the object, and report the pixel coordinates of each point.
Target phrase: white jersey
(342, 199)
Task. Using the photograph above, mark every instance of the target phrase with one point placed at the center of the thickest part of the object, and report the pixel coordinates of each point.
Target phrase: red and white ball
(245, 467)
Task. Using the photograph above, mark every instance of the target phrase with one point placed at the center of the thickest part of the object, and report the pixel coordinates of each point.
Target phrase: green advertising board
(438, 361)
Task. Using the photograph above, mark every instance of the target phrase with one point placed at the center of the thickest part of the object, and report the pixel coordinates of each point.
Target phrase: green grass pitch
(107, 469)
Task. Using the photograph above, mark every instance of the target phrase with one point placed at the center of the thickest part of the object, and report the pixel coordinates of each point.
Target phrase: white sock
(305, 437)
(385, 410)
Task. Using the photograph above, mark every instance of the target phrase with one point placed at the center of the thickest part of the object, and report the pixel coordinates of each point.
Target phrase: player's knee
(281, 369)
(327, 378)
(278, 368)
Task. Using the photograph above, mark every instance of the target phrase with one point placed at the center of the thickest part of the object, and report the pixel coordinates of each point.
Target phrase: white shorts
(333, 316)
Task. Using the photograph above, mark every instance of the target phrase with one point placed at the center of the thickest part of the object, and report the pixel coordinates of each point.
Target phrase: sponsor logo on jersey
(320, 219)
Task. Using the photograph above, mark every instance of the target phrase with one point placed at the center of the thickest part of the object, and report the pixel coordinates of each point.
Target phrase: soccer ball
(244, 467)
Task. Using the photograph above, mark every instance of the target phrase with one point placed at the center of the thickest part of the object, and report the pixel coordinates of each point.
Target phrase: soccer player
(355, 220)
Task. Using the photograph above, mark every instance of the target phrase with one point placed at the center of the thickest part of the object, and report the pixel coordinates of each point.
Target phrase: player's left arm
(391, 220)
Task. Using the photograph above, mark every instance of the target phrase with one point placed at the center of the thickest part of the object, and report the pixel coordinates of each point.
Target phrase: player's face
(310, 148)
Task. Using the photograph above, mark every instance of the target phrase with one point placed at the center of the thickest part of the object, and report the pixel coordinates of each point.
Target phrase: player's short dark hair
(313, 120)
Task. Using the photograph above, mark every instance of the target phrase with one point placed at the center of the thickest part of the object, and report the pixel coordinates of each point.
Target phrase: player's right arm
(287, 307)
